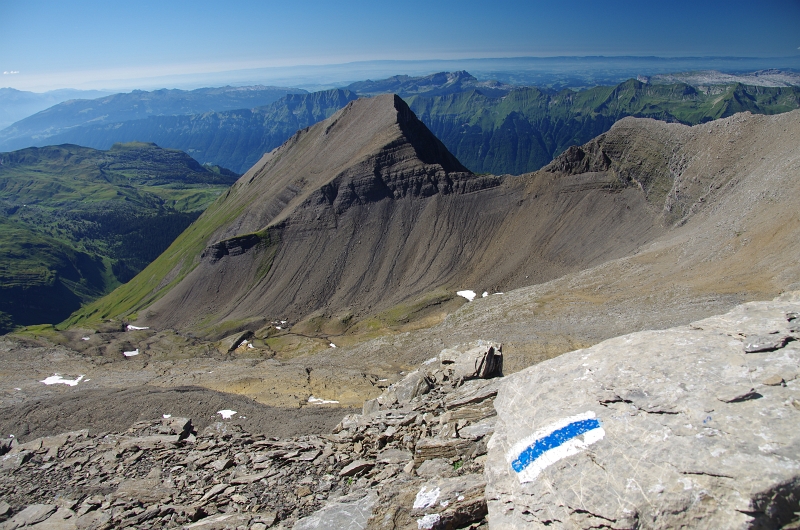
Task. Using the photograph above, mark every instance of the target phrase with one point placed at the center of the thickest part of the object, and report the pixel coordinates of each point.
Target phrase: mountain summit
(340, 216)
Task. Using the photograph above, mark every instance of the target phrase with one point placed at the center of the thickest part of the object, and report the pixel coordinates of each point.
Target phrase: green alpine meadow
(76, 222)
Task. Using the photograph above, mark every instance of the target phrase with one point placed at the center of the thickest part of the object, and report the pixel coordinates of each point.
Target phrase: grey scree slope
(700, 428)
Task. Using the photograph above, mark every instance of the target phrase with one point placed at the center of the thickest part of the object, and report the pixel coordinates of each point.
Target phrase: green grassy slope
(76, 222)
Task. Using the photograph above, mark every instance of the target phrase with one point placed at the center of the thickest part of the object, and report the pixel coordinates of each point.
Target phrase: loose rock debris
(163, 474)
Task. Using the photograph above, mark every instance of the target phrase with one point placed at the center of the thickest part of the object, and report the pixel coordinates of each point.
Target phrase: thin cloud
(11, 72)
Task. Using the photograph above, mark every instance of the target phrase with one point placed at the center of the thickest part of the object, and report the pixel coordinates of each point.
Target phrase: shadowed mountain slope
(367, 210)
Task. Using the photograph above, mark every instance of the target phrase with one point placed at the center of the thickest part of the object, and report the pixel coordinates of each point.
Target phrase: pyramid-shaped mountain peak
(372, 149)
(349, 180)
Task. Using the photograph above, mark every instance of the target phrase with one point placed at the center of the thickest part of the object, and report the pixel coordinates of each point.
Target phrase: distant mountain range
(37, 130)
(234, 139)
(76, 222)
(18, 104)
(439, 84)
(490, 127)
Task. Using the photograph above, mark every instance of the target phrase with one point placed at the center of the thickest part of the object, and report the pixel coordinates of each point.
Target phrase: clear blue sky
(61, 43)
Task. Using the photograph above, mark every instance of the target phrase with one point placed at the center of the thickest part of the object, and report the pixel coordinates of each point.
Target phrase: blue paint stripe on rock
(553, 440)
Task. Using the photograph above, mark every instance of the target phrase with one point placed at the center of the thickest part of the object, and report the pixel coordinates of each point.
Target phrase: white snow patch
(277, 327)
(250, 345)
(284, 321)
(430, 361)
(429, 521)
(136, 328)
(166, 416)
(226, 414)
(333, 345)
(17, 388)
(55, 379)
(485, 294)
(131, 353)
(426, 498)
(318, 401)
(469, 295)
(85, 338)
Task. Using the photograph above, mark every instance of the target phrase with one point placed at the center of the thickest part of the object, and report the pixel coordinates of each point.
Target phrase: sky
(49, 44)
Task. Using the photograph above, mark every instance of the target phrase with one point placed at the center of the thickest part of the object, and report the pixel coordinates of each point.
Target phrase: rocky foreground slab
(695, 426)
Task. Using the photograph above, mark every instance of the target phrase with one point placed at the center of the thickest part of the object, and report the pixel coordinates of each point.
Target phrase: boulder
(33, 514)
(478, 360)
(349, 512)
(435, 504)
(658, 429)
(231, 342)
(413, 385)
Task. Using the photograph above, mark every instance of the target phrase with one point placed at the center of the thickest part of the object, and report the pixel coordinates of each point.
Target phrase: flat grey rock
(659, 429)
(478, 430)
(355, 468)
(436, 467)
(764, 343)
(33, 514)
(344, 514)
(473, 391)
(394, 456)
(413, 385)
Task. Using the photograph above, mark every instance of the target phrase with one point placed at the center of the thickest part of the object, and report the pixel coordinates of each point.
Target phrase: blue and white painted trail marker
(531, 455)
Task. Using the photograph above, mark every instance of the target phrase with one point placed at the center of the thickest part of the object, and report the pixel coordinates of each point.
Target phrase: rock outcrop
(696, 426)
(415, 460)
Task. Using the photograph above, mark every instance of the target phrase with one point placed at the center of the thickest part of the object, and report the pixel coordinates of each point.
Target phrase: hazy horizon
(88, 44)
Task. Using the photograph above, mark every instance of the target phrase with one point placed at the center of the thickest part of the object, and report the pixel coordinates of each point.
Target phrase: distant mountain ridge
(234, 139)
(19, 104)
(37, 130)
(438, 84)
(526, 129)
(490, 129)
